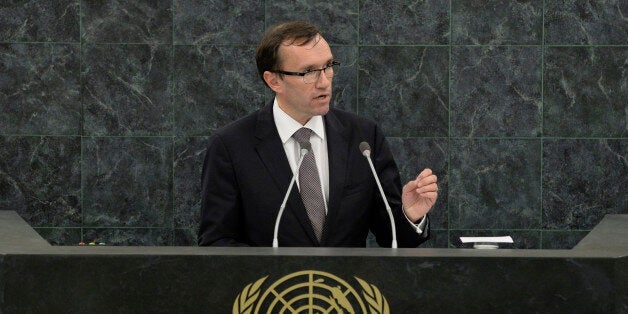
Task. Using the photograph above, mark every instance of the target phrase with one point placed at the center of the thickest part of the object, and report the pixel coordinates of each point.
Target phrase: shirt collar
(286, 126)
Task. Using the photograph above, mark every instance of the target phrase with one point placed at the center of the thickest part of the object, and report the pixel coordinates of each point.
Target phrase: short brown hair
(267, 54)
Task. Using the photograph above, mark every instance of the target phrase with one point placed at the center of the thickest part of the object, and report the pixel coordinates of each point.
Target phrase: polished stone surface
(129, 236)
(601, 22)
(494, 184)
(496, 91)
(218, 22)
(407, 97)
(126, 89)
(108, 278)
(404, 22)
(583, 180)
(40, 178)
(39, 21)
(337, 20)
(415, 154)
(186, 237)
(120, 189)
(345, 82)
(585, 92)
(61, 236)
(189, 154)
(40, 89)
(554, 240)
(497, 22)
(214, 85)
(196, 283)
(484, 92)
(138, 21)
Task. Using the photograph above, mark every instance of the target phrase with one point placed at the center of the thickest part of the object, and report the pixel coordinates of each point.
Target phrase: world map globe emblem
(310, 291)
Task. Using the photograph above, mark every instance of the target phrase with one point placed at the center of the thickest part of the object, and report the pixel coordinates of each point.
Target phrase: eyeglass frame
(306, 72)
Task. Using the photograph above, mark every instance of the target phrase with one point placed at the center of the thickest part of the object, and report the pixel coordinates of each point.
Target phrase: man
(250, 163)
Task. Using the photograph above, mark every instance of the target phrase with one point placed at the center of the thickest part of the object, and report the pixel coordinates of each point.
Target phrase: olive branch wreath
(245, 301)
(377, 302)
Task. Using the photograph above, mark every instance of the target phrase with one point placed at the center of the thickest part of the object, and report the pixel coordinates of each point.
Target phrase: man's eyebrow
(311, 66)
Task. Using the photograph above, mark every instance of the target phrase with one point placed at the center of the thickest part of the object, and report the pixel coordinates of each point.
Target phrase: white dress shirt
(286, 126)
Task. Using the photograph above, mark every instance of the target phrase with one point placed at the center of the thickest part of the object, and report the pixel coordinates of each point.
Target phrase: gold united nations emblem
(310, 291)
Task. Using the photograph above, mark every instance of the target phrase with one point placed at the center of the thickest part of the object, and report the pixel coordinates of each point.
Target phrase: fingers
(426, 177)
(430, 188)
(427, 183)
(425, 173)
(410, 186)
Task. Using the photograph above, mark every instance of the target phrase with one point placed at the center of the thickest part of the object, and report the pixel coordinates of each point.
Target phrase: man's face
(299, 100)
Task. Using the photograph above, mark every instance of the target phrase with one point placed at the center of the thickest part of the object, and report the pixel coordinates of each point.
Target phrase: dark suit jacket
(246, 175)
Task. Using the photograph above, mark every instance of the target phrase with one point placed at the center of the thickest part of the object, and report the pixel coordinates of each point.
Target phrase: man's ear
(273, 81)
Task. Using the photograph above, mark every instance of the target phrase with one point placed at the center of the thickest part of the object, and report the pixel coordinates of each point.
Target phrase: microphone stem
(285, 200)
(388, 209)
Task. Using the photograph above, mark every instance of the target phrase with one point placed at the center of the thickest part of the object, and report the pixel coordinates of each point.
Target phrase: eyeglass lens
(313, 76)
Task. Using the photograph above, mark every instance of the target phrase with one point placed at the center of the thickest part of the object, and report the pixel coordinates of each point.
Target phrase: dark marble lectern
(36, 277)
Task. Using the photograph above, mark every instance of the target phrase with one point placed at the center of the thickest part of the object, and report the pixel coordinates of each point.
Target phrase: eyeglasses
(311, 76)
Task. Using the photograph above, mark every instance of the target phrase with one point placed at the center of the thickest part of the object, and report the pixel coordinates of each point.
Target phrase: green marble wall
(518, 106)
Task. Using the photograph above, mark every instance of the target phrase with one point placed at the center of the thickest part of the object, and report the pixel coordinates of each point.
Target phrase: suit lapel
(267, 147)
(270, 150)
(338, 154)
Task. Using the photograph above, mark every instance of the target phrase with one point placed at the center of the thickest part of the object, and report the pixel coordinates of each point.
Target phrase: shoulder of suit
(246, 124)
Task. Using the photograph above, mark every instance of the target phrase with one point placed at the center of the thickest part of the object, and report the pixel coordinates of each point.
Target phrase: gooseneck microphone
(365, 148)
(305, 147)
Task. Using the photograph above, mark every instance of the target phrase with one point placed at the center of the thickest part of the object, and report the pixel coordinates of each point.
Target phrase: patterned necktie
(310, 185)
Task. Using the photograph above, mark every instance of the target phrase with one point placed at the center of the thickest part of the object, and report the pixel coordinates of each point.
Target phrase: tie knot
(302, 135)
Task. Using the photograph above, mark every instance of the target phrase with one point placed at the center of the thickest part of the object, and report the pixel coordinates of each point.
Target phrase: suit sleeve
(221, 202)
(391, 183)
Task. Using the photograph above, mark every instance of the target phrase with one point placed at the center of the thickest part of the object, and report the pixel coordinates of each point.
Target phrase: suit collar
(286, 125)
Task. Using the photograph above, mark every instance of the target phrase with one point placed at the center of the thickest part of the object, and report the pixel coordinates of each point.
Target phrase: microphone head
(305, 147)
(365, 148)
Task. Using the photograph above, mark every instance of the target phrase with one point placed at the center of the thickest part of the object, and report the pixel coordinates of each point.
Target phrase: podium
(36, 277)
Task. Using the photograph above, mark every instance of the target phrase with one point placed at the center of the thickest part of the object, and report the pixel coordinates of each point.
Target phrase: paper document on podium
(506, 239)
